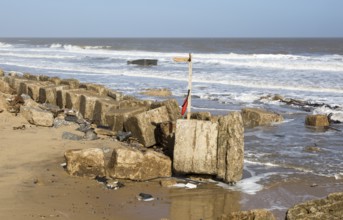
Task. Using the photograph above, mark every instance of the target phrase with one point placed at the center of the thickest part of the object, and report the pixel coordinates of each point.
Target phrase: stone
(130, 163)
(168, 182)
(253, 117)
(317, 120)
(30, 76)
(55, 80)
(90, 135)
(32, 88)
(116, 118)
(206, 116)
(172, 108)
(71, 136)
(104, 132)
(86, 163)
(37, 116)
(2, 73)
(73, 98)
(255, 214)
(320, 209)
(230, 147)
(143, 125)
(195, 149)
(157, 92)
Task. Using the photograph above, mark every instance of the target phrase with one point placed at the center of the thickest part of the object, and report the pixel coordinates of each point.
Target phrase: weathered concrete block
(102, 106)
(30, 76)
(87, 103)
(130, 103)
(206, 116)
(116, 118)
(2, 73)
(32, 88)
(157, 92)
(87, 162)
(317, 120)
(37, 116)
(48, 94)
(5, 87)
(72, 83)
(166, 137)
(258, 117)
(118, 96)
(15, 83)
(98, 89)
(55, 80)
(195, 149)
(130, 163)
(172, 108)
(143, 125)
(230, 147)
(72, 98)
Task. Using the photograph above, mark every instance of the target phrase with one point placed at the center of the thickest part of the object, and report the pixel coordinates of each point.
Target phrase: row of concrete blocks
(102, 106)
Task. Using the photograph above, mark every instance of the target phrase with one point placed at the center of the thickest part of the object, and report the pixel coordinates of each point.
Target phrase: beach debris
(21, 127)
(64, 165)
(114, 184)
(143, 62)
(185, 185)
(145, 197)
(70, 136)
(313, 185)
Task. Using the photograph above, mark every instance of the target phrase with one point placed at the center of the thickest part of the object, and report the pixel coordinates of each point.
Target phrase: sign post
(188, 100)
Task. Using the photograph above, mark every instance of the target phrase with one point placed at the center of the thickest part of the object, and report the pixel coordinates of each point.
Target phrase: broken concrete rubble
(253, 117)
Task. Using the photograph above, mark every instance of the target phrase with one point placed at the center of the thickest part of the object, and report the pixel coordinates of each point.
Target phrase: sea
(228, 74)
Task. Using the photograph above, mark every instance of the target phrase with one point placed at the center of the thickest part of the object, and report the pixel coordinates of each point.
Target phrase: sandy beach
(34, 185)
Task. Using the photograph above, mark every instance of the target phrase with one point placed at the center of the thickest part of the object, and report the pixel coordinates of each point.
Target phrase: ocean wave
(31, 55)
(71, 47)
(5, 45)
(335, 114)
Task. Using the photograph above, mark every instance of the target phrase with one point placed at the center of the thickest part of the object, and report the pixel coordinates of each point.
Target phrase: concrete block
(172, 108)
(102, 106)
(195, 149)
(230, 147)
(317, 120)
(143, 125)
(48, 94)
(116, 118)
(258, 117)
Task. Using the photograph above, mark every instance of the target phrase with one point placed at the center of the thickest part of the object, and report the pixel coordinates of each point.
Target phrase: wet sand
(33, 185)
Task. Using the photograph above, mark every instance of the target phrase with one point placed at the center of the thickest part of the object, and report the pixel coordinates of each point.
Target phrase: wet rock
(59, 122)
(145, 197)
(253, 117)
(230, 147)
(195, 149)
(130, 163)
(87, 162)
(37, 116)
(157, 92)
(321, 209)
(71, 136)
(256, 214)
(312, 149)
(317, 120)
(143, 125)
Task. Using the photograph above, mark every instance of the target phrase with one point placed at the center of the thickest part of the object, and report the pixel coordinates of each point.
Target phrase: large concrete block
(143, 125)
(116, 118)
(72, 98)
(72, 83)
(32, 88)
(172, 108)
(230, 147)
(98, 89)
(258, 117)
(87, 162)
(317, 120)
(5, 87)
(102, 106)
(37, 116)
(15, 83)
(195, 149)
(130, 163)
(48, 94)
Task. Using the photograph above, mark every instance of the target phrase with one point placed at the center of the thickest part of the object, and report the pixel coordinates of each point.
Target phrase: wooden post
(189, 60)
(190, 66)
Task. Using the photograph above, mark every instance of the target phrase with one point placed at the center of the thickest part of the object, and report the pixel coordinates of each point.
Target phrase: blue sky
(171, 18)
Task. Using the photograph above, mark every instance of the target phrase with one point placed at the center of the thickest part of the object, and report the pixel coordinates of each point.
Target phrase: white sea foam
(336, 115)
(4, 45)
